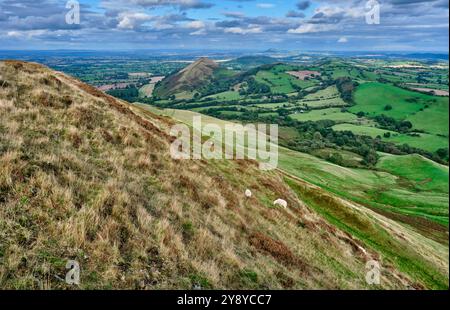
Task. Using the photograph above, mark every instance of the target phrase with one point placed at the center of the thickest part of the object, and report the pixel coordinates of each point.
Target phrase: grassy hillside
(85, 176)
(359, 185)
(427, 174)
(188, 79)
(429, 113)
(279, 81)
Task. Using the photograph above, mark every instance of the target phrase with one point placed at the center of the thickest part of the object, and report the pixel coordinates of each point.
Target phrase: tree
(388, 107)
(336, 158)
(371, 158)
(317, 136)
(387, 134)
(442, 153)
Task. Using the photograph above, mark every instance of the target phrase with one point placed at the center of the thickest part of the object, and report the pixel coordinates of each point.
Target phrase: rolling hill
(188, 79)
(87, 177)
(254, 61)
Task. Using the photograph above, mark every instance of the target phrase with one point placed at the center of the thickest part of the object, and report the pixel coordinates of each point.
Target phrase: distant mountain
(190, 78)
(271, 50)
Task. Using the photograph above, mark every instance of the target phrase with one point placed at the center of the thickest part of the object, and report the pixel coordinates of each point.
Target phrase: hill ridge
(192, 77)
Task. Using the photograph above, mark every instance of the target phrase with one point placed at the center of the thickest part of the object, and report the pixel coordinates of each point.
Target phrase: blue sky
(406, 25)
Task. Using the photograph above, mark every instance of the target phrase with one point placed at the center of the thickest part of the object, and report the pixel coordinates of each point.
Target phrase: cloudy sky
(405, 25)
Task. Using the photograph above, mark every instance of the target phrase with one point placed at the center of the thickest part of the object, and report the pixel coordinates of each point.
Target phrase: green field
(433, 120)
(227, 96)
(324, 98)
(423, 141)
(425, 112)
(334, 114)
(362, 130)
(426, 142)
(281, 82)
(426, 174)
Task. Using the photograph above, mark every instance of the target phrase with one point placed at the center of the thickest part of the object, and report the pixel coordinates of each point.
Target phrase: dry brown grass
(83, 177)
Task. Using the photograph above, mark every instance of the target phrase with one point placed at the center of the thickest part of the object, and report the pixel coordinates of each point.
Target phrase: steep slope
(84, 177)
(192, 77)
(416, 248)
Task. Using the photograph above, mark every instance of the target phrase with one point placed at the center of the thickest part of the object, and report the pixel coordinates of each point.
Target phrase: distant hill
(255, 60)
(422, 56)
(190, 78)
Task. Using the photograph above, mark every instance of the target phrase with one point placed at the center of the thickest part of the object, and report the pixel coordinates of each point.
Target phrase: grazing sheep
(280, 202)
(248, 193)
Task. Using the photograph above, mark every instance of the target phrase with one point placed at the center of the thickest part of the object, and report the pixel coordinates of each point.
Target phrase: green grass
(281, 82)
(372, 99)
(324, 98)
(333, 114)
(434, 119)
(368, 187)
(424, 173)
(426, 142)
(425, 112)
(362, 130)
(340, 72)
(227, 95)
(372, 234)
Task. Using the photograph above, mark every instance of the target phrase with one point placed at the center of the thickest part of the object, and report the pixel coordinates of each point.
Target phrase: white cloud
(199, 32)
(265, 5)
(14, 34)
(196, 24)
(350, 11)
(130, 20)
(30, 33)
(342, 40)
(162, 26)
(240, 30)
(312, 28)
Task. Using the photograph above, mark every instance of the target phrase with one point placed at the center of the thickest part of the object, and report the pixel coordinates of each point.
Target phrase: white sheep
(248, 193)
(280, 202)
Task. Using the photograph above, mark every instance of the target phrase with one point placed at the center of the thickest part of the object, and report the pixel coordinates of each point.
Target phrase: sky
(319, 25)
